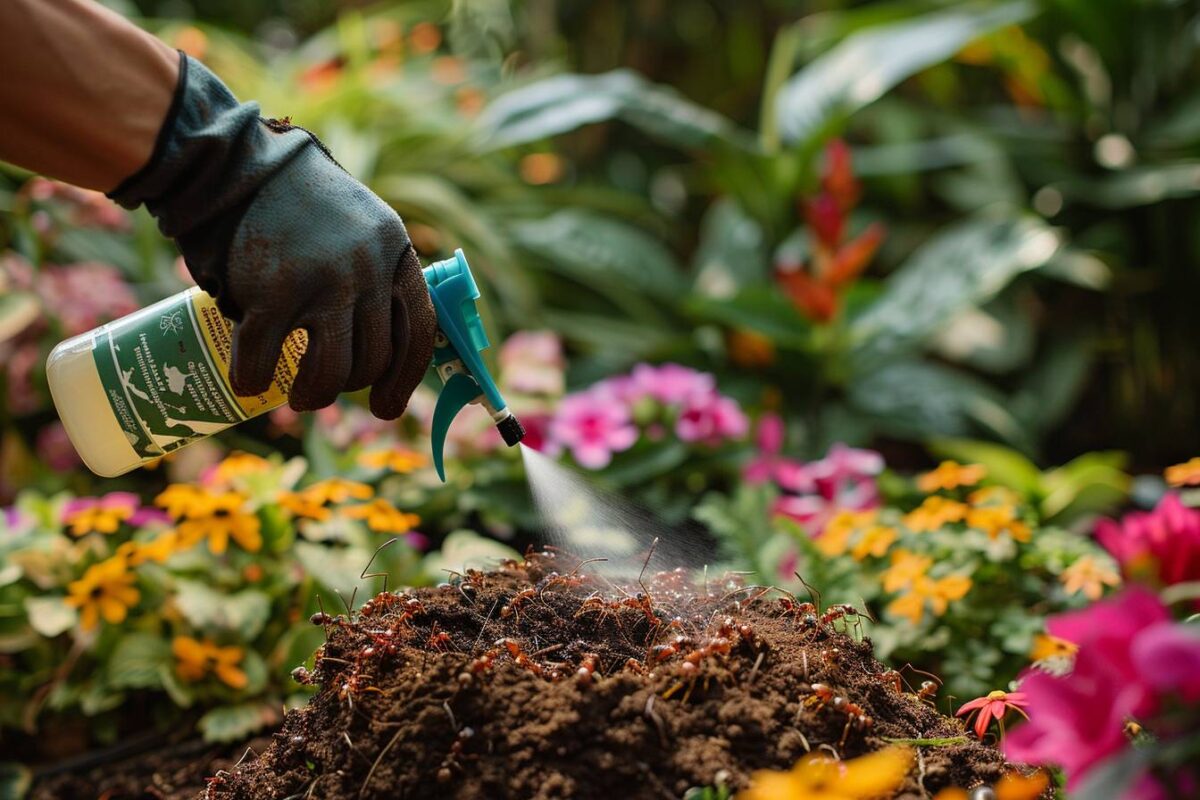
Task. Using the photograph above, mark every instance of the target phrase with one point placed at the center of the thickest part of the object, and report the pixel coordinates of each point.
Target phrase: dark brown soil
(521, 684)
(175, 772)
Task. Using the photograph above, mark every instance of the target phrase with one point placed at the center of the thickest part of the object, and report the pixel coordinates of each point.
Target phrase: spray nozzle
(456, 355)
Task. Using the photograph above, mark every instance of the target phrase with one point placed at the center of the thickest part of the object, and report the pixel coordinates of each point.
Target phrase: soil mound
(541, 681)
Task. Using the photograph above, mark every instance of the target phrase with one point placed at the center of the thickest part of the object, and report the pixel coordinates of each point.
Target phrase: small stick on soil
(450, 714)
(754, 670)
(483, 627)
(395, 738)
(249, 750)
(362, 576)
(645, 564)
(552, 648)
(350, 744)
(654, 717)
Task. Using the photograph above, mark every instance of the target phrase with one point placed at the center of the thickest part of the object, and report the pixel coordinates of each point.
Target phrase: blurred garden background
(753, 265)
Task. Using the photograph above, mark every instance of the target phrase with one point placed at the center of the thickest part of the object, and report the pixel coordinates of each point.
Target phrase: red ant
(572, 579)
(587, 667)
(438, 640)
(519, 658)
(514, 604)
(641, 601)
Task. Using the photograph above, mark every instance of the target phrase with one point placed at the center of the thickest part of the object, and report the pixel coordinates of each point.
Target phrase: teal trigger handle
(457, 346)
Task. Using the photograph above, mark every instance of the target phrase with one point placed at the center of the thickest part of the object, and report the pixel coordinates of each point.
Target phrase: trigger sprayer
(141, 387)
(456, 356)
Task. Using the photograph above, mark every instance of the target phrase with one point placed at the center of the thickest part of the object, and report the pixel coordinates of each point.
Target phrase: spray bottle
(156, 380)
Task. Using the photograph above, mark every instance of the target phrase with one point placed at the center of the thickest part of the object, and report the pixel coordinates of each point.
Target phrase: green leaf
(1138, 186)
(245, 612)
(256, 671)
(1005, 466)
(230, 723)
(996, 338)
(732, 252)
(1050, 390)
(1094, 483)
(866, 65)
(138, 660)
(463, 549)
(762, 309)
(337, 568)
(602, 253)
(964, 266)
(644, 464)
(916, 399)
(15, 780)
(50, 616)
(563, 103)
(18, 310)
(179, 692)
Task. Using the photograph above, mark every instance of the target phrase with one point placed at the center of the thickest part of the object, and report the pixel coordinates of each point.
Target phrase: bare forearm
(84, 91)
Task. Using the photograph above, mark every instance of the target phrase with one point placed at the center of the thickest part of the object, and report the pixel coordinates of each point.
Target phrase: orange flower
(951, 475)
(1089, 575)
(835, 539)
(1015, 786)
(818, 776)
(396, 459)
(194, 659)
(994, 520)
(1185, 474)
(749, 349)
(238, 464)
(299, 504)
(993, 495)
(938, 593)
(934, 513)
(874, 541)
(906, 568)
(184, 500)
(106, 590)
(226, 519)
(337, 490)
(98, 518)
(158, 549)
(383, 517)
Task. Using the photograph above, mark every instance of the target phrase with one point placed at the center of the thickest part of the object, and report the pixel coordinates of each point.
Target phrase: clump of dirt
(538, 681)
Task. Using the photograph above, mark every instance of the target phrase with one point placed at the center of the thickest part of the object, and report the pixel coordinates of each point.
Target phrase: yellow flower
(184, 500)
(382, 516)
(98, 518)
(1046, 646)
(934, 513)
(107, 590)
(989, 495)
(300, 505)
(1185, 474)
(874, 541)
(337, 490)
(994, 520)
(951, 475)
(194, 659)
(1089, 575)
(158, 549)
(834, 540)
(818, 776)
(906, 567)
(1015, 786)
(395, 459)
(226, 519)
(238, 464)
(938, 593)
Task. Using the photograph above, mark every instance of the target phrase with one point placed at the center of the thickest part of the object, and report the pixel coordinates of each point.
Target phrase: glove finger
(413, 325)
(372, 341)
(326, 363)
(257, 345)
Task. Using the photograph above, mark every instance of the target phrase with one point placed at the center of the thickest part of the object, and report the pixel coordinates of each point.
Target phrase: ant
(842, 611)
(438, 640)
(641, 602)
(587, 667)
(519, 658)
(572, 579)
(512, 607)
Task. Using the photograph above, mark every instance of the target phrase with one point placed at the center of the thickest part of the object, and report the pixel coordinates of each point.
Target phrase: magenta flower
(770, 466)
(531, 362)
(54, 448)
(843, 480)
(670, 384)
(127, 503)
(994, 706)
(593, 425)
(711, 419)
(1133, 662)
(1162, 545)
(85, 295)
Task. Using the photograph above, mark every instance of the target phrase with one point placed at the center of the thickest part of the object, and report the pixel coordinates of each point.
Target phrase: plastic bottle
(151, 382)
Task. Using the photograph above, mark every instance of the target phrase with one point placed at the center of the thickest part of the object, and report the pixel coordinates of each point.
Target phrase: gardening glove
(284, 238)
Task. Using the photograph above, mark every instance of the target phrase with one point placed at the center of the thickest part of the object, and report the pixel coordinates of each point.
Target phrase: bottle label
(165, 371)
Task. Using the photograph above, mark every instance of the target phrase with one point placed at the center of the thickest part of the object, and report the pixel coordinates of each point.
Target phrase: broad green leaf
(1004, 465)
(866, 65)
(463, 549)
(643, 464)
(1051, 388)
(732, 251)
(1134, 187)
(762, 309)
(18, 310)
(962, 267)
(602, 253)
(563, 103)
(338, 568)
(996, 338)
(1094, 483)
(915, 399)
(50, 616)
(138, 661)
(230, 723)
(204, 607)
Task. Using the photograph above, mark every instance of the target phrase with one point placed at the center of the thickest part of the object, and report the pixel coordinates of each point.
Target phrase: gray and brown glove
(284, 238)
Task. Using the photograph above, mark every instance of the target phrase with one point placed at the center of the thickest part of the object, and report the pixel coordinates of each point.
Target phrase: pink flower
(54, 448)
(670, 384)
(1162, 545)
(127, 501)
(1133, 658)
(711, 419)
(993, 707)
(769, 465)
(593, 425)
(24, 361)
(85, 295)
(843, 480)
(531, 362)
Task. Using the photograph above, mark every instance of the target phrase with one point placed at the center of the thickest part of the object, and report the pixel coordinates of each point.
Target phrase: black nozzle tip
(511, 429)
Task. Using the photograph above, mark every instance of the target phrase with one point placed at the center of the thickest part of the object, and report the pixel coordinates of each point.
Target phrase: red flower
(838, 180)
(826, 220)
(994, 706)
(816, 299)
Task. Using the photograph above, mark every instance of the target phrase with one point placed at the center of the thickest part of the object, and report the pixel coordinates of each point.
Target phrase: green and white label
(165, 371)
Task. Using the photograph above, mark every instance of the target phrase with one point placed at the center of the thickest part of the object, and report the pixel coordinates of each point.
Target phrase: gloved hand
(284, 238)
